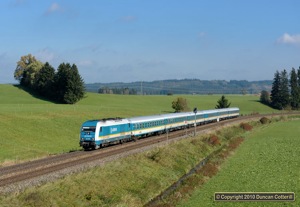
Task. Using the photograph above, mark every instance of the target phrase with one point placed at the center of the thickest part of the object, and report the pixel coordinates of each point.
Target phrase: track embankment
(18, 177)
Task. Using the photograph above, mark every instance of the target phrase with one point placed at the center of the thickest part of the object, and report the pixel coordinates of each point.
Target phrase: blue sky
(145, 40)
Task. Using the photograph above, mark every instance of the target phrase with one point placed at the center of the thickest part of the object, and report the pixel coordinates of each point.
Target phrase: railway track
(29, 170)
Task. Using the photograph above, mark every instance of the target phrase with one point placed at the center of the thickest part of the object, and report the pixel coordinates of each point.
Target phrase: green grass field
(131, 181)
(31, 127)
(267, 161)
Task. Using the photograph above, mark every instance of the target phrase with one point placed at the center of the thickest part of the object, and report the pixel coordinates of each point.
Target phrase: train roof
(107, 121)
(158, 117)
(176, 115)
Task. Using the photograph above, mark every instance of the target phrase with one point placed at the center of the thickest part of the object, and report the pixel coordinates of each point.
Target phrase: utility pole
(195, 124)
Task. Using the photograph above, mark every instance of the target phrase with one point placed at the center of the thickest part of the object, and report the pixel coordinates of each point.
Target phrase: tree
(26, 69)
(284, 89)
(180, 104)
(295, 96)
(69, 84)
(265, 97)
(222, 103)
(44, 80)
(275, 95)
(298, 76)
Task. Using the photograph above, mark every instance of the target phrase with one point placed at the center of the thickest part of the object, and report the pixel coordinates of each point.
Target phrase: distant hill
(188, 86)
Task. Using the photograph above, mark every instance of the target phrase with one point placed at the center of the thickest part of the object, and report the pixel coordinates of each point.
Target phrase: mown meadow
(31, 127)
(267, 161)
(130, 181)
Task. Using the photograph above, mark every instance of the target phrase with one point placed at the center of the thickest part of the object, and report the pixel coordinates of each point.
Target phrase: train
(95, 134)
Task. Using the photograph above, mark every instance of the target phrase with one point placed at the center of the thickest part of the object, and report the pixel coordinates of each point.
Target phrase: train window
(88, 129)
(100, 129)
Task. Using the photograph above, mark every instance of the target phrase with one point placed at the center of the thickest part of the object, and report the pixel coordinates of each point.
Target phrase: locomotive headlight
(93, 139)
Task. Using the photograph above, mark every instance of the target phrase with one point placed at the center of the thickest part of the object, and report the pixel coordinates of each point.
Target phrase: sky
(146, 40)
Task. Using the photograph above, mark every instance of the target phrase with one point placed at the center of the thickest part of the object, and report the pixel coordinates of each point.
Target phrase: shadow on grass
(258, 101)
(167, 112)
(35, 94)
(266, 104)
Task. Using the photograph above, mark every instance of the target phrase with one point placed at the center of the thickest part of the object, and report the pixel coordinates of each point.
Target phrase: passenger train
(98, 133)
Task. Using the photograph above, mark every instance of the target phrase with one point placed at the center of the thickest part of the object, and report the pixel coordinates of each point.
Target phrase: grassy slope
(131, 181)
(31, 127)
(268, 161)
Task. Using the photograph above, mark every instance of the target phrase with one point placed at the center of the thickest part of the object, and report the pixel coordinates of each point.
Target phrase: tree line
(285, 93)
(188, 86)
(123, 91)
(63, 86)
(180, 104)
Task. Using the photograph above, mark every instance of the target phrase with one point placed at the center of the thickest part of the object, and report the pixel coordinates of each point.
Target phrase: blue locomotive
(98, 133)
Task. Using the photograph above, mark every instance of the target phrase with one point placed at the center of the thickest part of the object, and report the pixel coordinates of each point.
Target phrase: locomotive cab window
(88, 129)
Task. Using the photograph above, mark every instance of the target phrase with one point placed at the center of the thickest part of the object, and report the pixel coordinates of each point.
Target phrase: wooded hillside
(188, 86)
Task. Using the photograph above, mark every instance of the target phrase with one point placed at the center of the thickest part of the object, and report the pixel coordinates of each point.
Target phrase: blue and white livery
(97, 133)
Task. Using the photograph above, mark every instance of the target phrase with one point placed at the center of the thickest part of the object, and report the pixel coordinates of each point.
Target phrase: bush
(214, 140)
(246, 126)
(180, 104)
(265, 120)
(209, 170)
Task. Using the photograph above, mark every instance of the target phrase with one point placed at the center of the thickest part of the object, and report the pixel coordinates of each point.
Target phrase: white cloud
(45, 55)
(85, 63)
(289, 39)
(55, 7)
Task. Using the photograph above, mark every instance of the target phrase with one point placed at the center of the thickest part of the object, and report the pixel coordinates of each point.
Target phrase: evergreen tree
(275, 95)
(298, 76)
(44, 81)
(69, 84)
(298, 79)
(284, 89)
(75, 86)
(222, 103)
(60, 81)
(295, 96)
